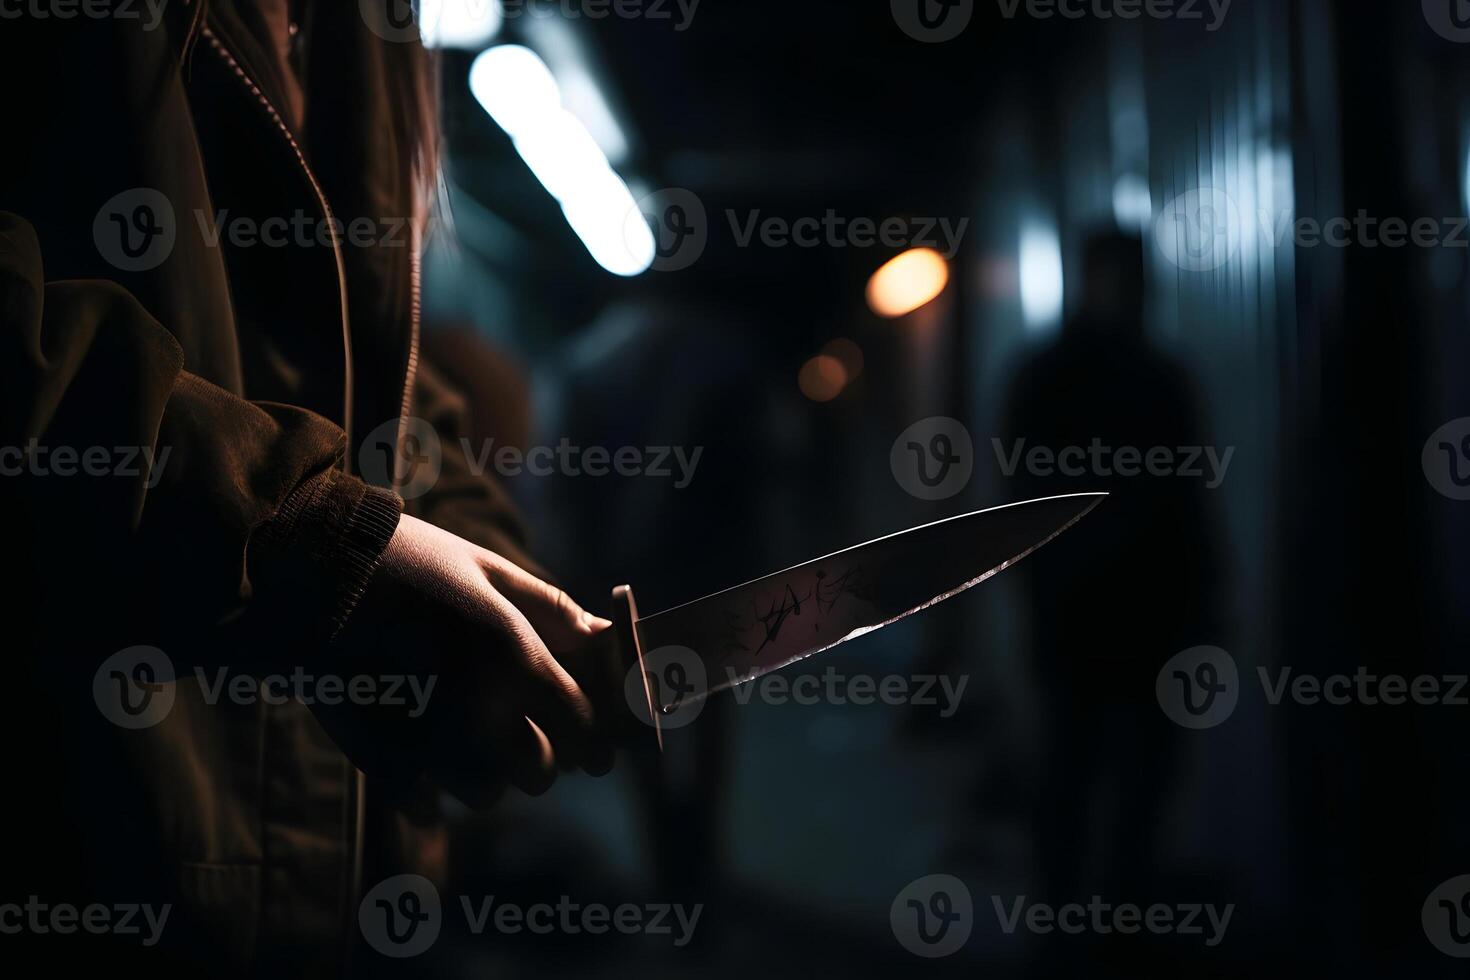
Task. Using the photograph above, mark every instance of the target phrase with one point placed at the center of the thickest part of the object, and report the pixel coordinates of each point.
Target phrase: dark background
(1326, 548)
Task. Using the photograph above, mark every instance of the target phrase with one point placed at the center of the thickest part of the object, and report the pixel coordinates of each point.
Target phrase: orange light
(822, 378)
(908, 282)
(849, 353)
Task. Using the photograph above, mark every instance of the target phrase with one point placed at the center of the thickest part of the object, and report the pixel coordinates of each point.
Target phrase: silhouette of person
(1134, 585)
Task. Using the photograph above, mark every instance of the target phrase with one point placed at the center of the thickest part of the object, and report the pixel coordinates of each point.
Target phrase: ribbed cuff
(317, 554)
(363, 542)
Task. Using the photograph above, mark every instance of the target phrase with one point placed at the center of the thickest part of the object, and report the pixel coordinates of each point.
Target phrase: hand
(502, 709)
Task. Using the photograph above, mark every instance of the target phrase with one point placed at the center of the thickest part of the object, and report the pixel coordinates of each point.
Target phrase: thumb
(562, 625)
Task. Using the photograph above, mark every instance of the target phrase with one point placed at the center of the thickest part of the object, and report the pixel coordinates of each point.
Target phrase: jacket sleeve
(155, 502)
(466, 499)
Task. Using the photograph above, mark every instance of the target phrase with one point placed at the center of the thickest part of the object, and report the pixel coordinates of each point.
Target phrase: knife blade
(739, 634)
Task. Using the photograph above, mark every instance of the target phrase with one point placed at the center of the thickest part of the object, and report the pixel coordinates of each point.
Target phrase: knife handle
(624, 658)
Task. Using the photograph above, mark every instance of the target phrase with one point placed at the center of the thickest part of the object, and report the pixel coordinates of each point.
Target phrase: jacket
(173, 296)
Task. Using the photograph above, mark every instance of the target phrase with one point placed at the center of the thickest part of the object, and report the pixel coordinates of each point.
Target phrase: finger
(571, 632)
(510, 751)
(597, 667)
(557, 619)
(549, 696)
(598, 760)
(530, 761)
(568, 721)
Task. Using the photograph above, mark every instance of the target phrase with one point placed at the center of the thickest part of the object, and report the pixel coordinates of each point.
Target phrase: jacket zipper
(356, 787)
(275, 116)
(415, 278)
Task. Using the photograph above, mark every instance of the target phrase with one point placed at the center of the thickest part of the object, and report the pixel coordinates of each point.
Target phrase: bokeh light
(908, 282)
(822, 378)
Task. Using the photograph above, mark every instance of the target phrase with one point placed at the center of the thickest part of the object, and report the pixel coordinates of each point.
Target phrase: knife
(666, 662)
